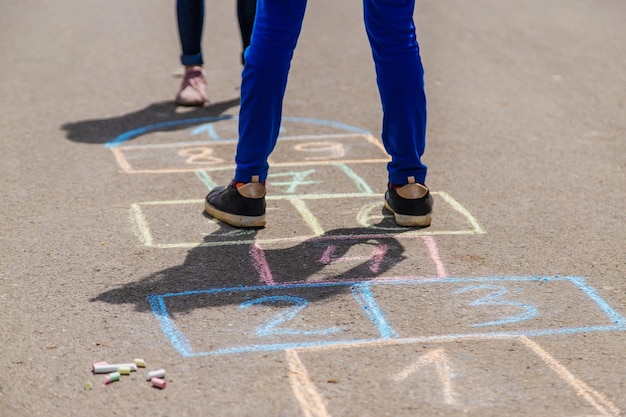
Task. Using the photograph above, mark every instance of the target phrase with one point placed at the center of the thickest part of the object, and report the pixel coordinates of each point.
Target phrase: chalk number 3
(494, 298)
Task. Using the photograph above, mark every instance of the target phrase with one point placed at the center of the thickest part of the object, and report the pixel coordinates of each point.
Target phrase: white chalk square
(462, 377)
(180, 223)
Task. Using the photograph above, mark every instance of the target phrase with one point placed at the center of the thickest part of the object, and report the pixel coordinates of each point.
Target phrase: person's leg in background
(190, 18)
(267, 61)
(246, 12)
(400, 77)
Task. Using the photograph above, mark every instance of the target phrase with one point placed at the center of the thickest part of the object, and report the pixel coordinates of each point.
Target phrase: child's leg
(274, 37)
(400, 77)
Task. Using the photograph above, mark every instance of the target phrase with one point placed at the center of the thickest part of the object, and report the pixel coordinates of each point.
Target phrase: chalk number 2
(272, 326)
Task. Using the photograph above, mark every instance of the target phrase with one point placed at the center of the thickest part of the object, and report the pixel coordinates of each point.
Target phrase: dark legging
(190, 15)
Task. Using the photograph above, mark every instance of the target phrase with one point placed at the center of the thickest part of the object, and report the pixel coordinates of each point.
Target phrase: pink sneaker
(193, 88)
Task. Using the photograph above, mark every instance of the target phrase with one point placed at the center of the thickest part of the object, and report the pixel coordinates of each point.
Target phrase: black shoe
(238, 204)
(411, 204)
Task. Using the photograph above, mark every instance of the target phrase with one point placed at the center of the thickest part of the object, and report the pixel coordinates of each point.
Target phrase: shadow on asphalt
(228, 266)
(98, 131)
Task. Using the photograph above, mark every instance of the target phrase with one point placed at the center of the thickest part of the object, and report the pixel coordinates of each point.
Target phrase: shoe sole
(235, 219)
(410, 221)
(192, 103)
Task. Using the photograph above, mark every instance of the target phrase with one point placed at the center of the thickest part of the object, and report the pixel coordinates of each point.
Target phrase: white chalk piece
(158, 382)
(155, 374)
(140, 363)
(108, 368)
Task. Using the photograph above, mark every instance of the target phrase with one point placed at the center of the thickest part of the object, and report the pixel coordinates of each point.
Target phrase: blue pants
(190, 18)
(400, 77)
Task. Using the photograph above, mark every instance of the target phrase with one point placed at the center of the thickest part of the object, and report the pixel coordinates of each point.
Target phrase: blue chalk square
(235, 320)
(496, 305)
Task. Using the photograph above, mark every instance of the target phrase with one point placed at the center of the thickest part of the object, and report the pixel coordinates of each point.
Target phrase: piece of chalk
(140, 363)
(155, 374)
(124, 370)
(112, 377)
(158, 382)
(108, 368)
(93, 366)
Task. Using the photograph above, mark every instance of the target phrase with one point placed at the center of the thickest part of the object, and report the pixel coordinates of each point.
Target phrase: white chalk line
(126, 168)
(233, 141)
(440, 361)
(139, 225)
(593, 397)
(311, 401)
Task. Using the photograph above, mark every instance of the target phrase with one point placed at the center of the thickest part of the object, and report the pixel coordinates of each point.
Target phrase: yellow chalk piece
(124, 370)
(140, 363)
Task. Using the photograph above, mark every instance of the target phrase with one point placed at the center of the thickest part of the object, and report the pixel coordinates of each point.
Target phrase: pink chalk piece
(96, 364)
(112, 377)
(158, 382)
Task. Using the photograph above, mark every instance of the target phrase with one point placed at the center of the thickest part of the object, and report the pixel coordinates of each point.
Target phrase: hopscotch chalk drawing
(349, 288)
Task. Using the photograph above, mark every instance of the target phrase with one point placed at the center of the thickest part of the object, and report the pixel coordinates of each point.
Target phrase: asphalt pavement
(512, 303)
